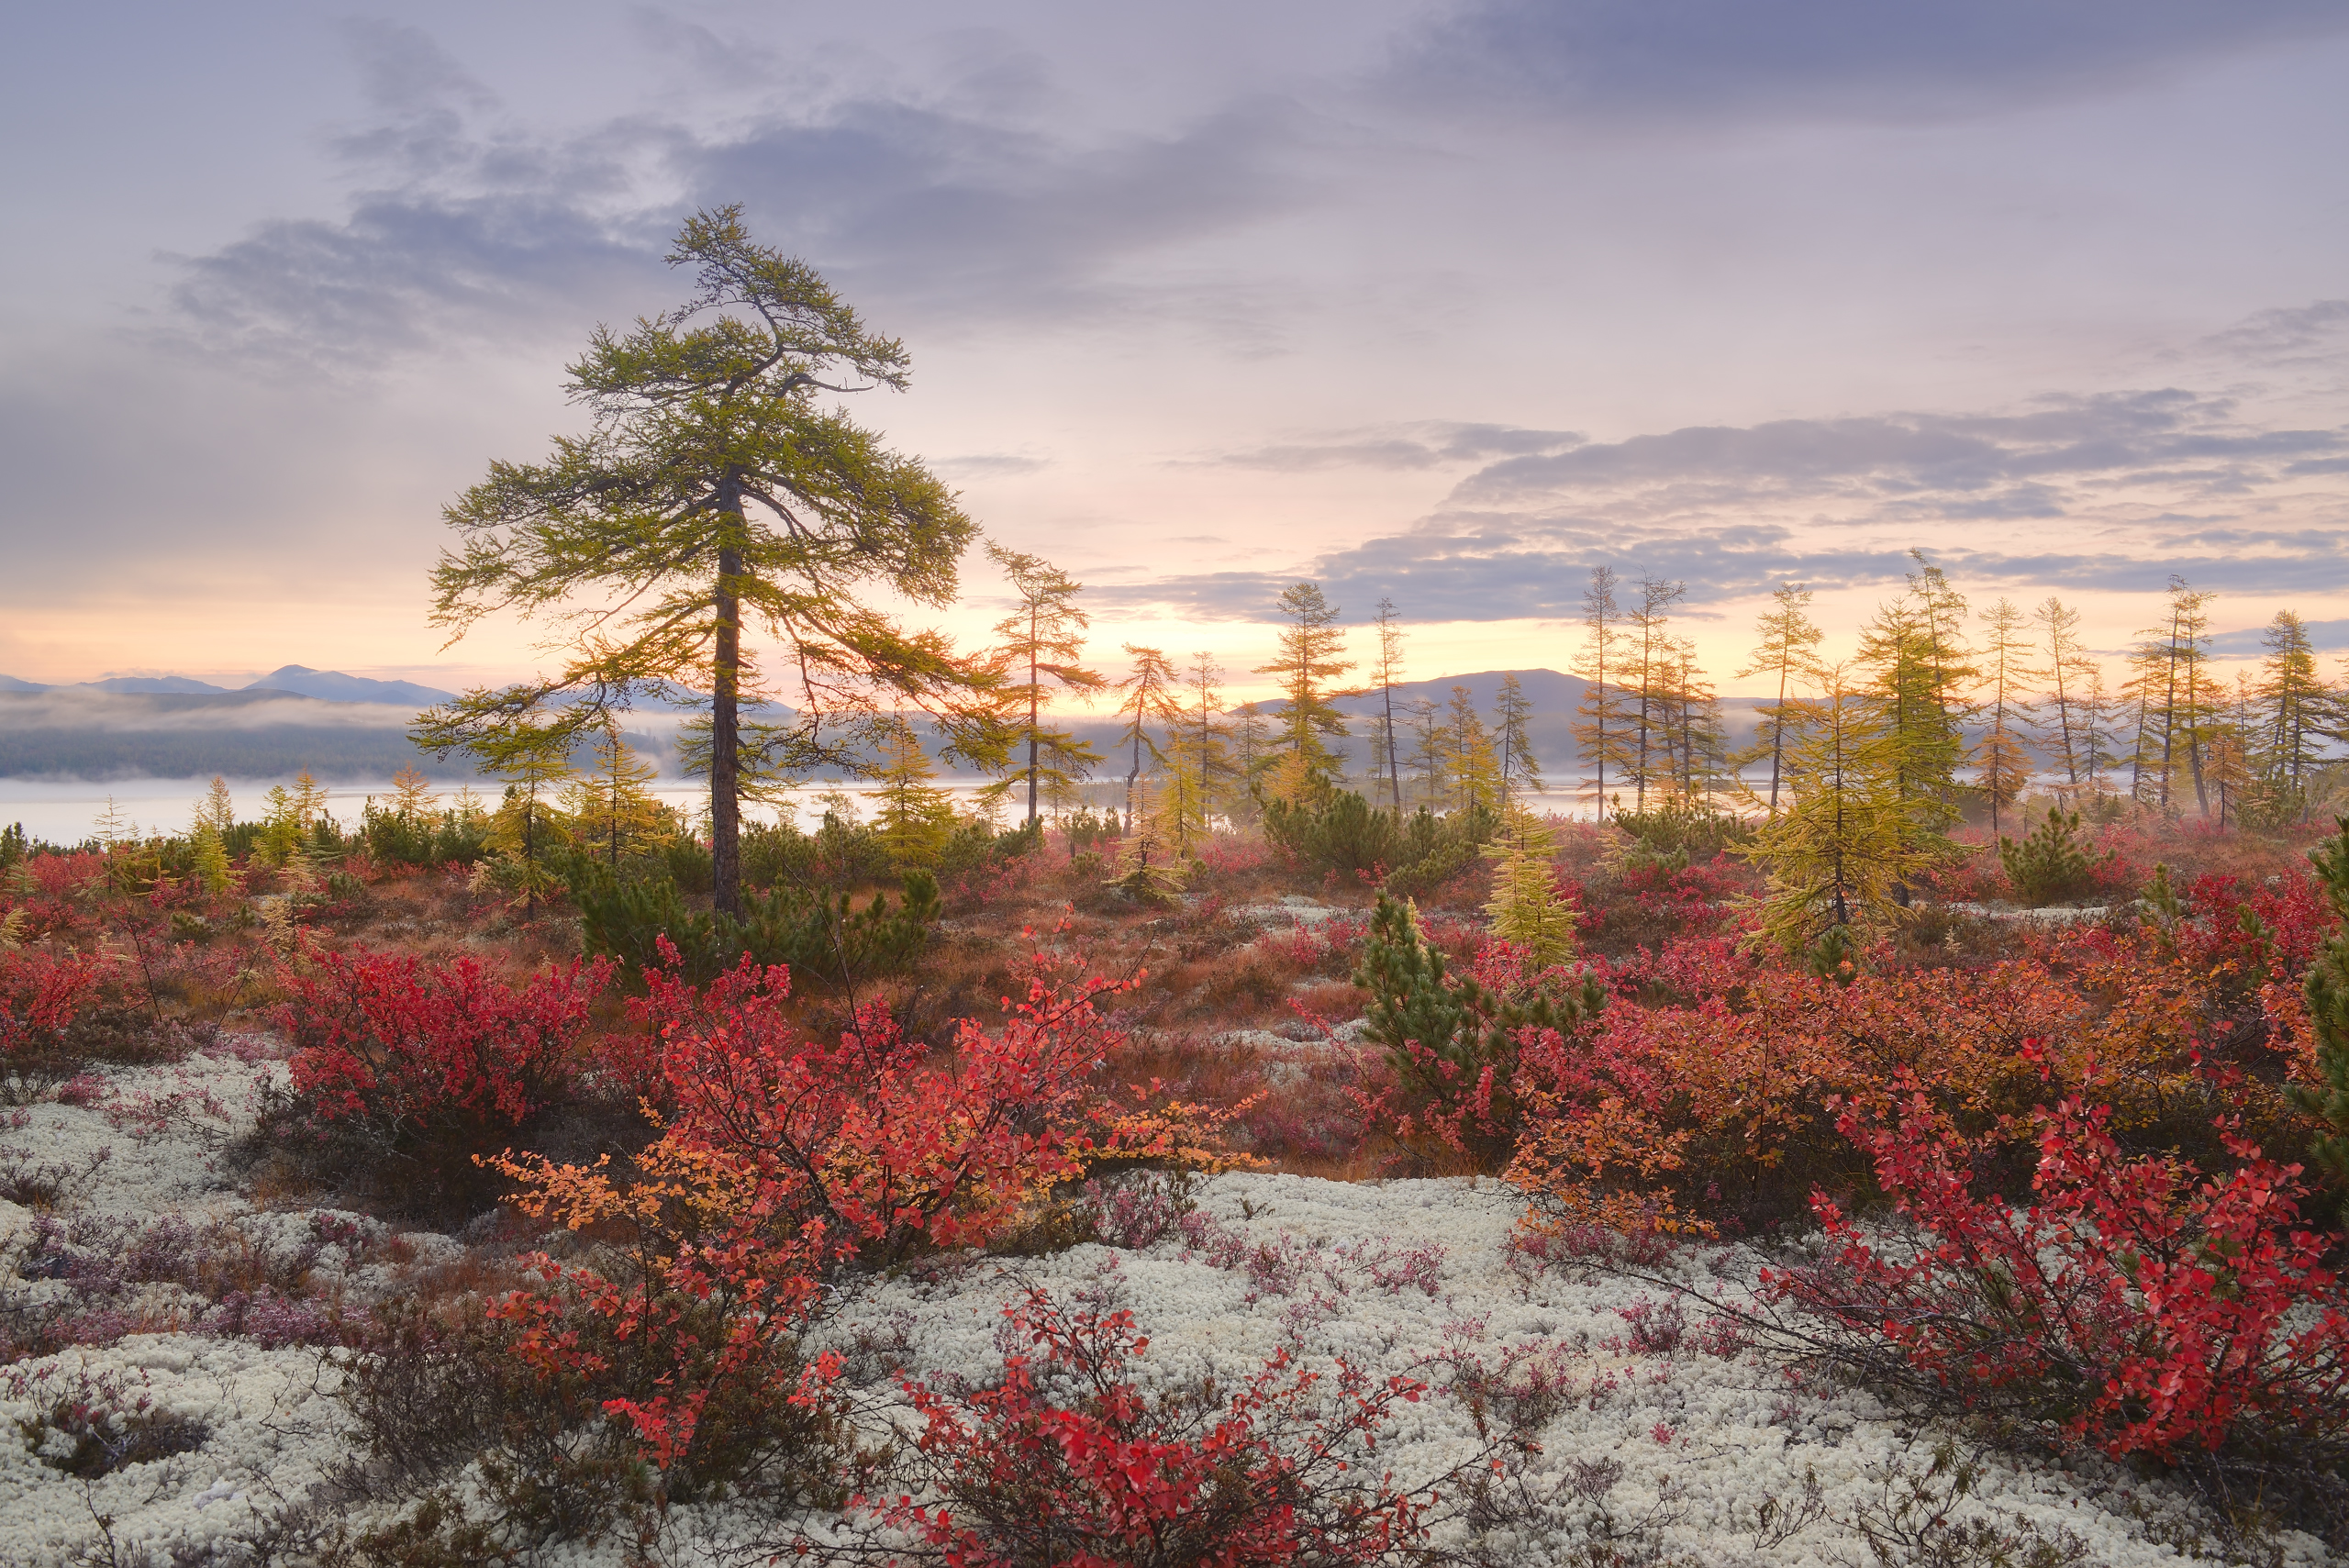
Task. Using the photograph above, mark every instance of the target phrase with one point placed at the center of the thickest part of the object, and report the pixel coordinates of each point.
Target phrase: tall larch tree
(1149, 695)
(1198, 752)
(1601, 735)
(2067, 666)
(2186, 701)
(715, 491)
(1785, 654)
(1696, 712)
(1915, 652)
(1652, 666)
(1384, 674)
(1513, 740)
(1309, 665)
(1430, 758)
(1252, 747)
(1043, 638)
(2231, 752)
(1469, 757)
(2296, 710)
(2142, 697)
(916, 817)
(1840, 857)
(2008, 679)
(611, 807)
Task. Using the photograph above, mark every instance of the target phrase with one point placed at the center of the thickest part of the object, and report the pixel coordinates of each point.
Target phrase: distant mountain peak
(154, 685)
(333, 685)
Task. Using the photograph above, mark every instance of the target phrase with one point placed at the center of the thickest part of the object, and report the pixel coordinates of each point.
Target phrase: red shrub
(786, 1156)
(51, 892)
(407, 1049)
(41, 992)
(865, 1137)
(2239, 938)
(2135, 1305)
(40, 996)
(1064, 1460)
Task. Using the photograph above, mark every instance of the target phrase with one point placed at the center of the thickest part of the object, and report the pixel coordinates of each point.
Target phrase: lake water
(66, 811)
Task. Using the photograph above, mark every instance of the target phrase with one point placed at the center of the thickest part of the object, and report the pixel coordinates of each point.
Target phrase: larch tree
(716, 492)
(2008, 678)
(215, 815)
(1651, 665)
(1469, 757)
(611, 807)
(1915, 652)
(1151, 693)
(1528, 909)
(1252, 745)
(218, 808)
(1430, 758)
(2187, 696)
(1199, 766)
(2142, 697)
(1513, 740)
(1600, 733)
(2067, 671)
(1041, 641)
(2231, 759)
(1309, 665)
(915, 817)
(2296, 710)
(1384, 676)
(534, 761)
(1694, 710)
(1840, 857)
(2099, 709)
(412, 796)
(1786, 653)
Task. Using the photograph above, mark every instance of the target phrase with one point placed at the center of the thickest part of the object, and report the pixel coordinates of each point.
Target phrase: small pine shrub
(1450, 1040)
(2050, 864)
(1341, 832)
(819, 939)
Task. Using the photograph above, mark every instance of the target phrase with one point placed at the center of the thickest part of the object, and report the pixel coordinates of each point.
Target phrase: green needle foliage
(1527, 909)
(1839, 856)
(714, 492)
(2050, 864)
(1042, 640)
(816, 938)
(1440, 1030)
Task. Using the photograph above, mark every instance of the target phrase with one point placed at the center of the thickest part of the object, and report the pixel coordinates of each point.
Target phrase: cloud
(2301, 334)
(2326, 636)
(465, 227)
(989, 465)
(1836, 502)
(1415, 446)
(1706, 61)
(2006, 459)
(402, 273)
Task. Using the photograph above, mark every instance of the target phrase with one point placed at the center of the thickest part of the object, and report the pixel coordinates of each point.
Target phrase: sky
(1446, 303)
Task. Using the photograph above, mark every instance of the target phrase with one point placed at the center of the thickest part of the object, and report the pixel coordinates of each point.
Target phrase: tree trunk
(1393, 774)
(1778, 740)
(1033, 706)
(725, 760)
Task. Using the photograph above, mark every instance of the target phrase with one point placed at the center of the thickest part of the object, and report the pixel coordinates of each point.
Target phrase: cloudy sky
(1448, 302)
